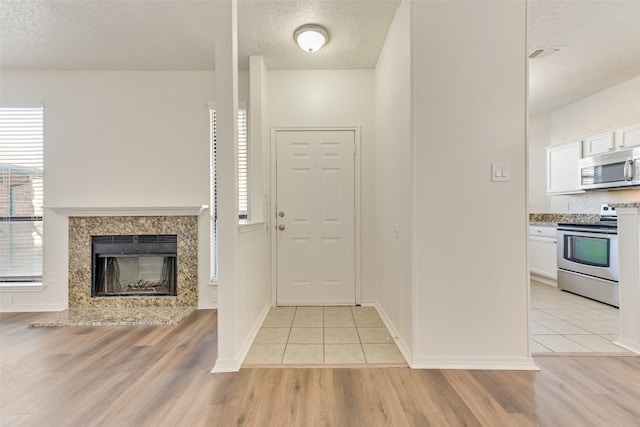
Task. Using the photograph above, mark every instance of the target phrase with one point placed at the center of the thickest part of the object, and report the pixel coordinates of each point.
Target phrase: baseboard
(481, 363)
(628, 345)
(208, 296)
(402, 345)
(543, 279)
(225, 365)
(208, 306)
(27, 308)
(233, 365)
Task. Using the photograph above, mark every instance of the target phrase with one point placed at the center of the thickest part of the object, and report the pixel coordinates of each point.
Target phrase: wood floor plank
(160, 376)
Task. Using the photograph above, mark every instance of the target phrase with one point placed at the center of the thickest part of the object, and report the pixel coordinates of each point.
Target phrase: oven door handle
(628, 170)
(568, 247)
(589, 232)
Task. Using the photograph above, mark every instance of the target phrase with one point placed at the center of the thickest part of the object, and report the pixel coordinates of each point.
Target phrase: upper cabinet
(613, 140)
(628, 136)
(598, 144)
(563, 175)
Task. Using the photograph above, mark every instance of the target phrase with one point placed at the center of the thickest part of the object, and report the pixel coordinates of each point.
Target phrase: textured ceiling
(601, 38)
(107, 35)
(357, 30)
(601, 47)
(178, 34)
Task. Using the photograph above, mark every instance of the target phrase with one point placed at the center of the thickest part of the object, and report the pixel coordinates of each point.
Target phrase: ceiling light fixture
(311, 37)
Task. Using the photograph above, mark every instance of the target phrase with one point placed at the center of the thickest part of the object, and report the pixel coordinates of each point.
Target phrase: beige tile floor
(566, 323)
(323, 335)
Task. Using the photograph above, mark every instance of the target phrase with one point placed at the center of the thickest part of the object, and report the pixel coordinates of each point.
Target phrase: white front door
(315, 211)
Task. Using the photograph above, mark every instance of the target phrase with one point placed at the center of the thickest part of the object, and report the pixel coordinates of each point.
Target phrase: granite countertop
(625, 205)
(552, 219)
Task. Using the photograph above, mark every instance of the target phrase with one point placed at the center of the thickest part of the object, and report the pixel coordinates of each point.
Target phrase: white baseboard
(28, 308)
(547, 280)
(233, 365)
(482, 363)
(453, 362)
(225, 365)
(207, 305)
(627, 344)
(402, 345)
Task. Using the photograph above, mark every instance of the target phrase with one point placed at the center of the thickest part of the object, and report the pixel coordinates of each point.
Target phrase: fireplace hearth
(134, 265)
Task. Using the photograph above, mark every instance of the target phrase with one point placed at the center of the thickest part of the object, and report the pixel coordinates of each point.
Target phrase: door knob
(281, 227)
(280, 214)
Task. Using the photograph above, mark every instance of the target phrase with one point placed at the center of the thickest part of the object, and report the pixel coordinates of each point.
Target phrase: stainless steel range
(588, 258)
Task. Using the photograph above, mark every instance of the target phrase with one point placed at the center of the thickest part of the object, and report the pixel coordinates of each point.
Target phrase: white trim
(400, 343)
(208, 306)
(225, 365)
(22, 287)
(538, 276)
(249, 226)
(212, 287)
(129, 211)
(31, 308)
(482, 363)
(241, 105)
(627, 344)
(357, 189)
(233, 365)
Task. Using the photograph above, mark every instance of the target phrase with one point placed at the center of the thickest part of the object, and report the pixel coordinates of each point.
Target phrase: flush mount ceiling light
(544, 52)
(311, 37)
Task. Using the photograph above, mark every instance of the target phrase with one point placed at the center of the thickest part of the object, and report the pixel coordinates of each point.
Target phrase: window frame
(243, 215)
(30, 160)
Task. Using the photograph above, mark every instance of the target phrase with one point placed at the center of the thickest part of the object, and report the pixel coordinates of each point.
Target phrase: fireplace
(83, 228)
(134, 265)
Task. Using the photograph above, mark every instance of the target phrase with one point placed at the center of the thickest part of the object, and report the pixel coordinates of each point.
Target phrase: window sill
(22, 287)
(248, 226)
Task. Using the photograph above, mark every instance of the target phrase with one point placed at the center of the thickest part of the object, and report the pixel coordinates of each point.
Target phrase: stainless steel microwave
(619, 169)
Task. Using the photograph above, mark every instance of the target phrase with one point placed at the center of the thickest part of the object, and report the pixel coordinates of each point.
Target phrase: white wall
(334, 98)
(604, 110)
(469, 248)
(539, 133)
(393, 178)
(612, 107)
(115, 139)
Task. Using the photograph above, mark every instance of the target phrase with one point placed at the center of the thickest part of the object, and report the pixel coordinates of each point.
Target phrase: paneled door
(315, 211)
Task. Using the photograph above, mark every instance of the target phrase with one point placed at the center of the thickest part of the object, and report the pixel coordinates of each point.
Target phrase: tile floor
(560, 322)
(323, 336)
(566, 323)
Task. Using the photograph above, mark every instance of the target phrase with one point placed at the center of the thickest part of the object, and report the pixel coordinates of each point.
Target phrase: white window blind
(243, 166)
(213, 194)
(243, 179)
(21, 194)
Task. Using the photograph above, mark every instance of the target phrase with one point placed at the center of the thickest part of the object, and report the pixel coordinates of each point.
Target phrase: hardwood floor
(159, 376)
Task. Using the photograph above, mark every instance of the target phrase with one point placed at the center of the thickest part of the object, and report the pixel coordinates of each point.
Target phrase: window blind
(213, 194)
(243, 166)
(21, 194)
(243, 180)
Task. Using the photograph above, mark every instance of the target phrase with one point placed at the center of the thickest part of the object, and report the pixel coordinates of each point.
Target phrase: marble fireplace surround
(84, 224)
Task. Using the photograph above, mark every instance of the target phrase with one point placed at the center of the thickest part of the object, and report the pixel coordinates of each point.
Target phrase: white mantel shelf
(129, 211)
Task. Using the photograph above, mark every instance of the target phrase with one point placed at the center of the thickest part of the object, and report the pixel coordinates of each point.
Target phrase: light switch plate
(500, 172)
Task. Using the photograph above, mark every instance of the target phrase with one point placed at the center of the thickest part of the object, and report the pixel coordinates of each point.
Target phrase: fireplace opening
(135, 265)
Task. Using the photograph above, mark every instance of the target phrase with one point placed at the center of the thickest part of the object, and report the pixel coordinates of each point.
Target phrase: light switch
(500, 172)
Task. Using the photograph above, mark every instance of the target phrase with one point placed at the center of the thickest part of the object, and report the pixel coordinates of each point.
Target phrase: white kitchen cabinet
(599, 143)
(612, 140)
(628, 136)
(543, 261)
(563, 175)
